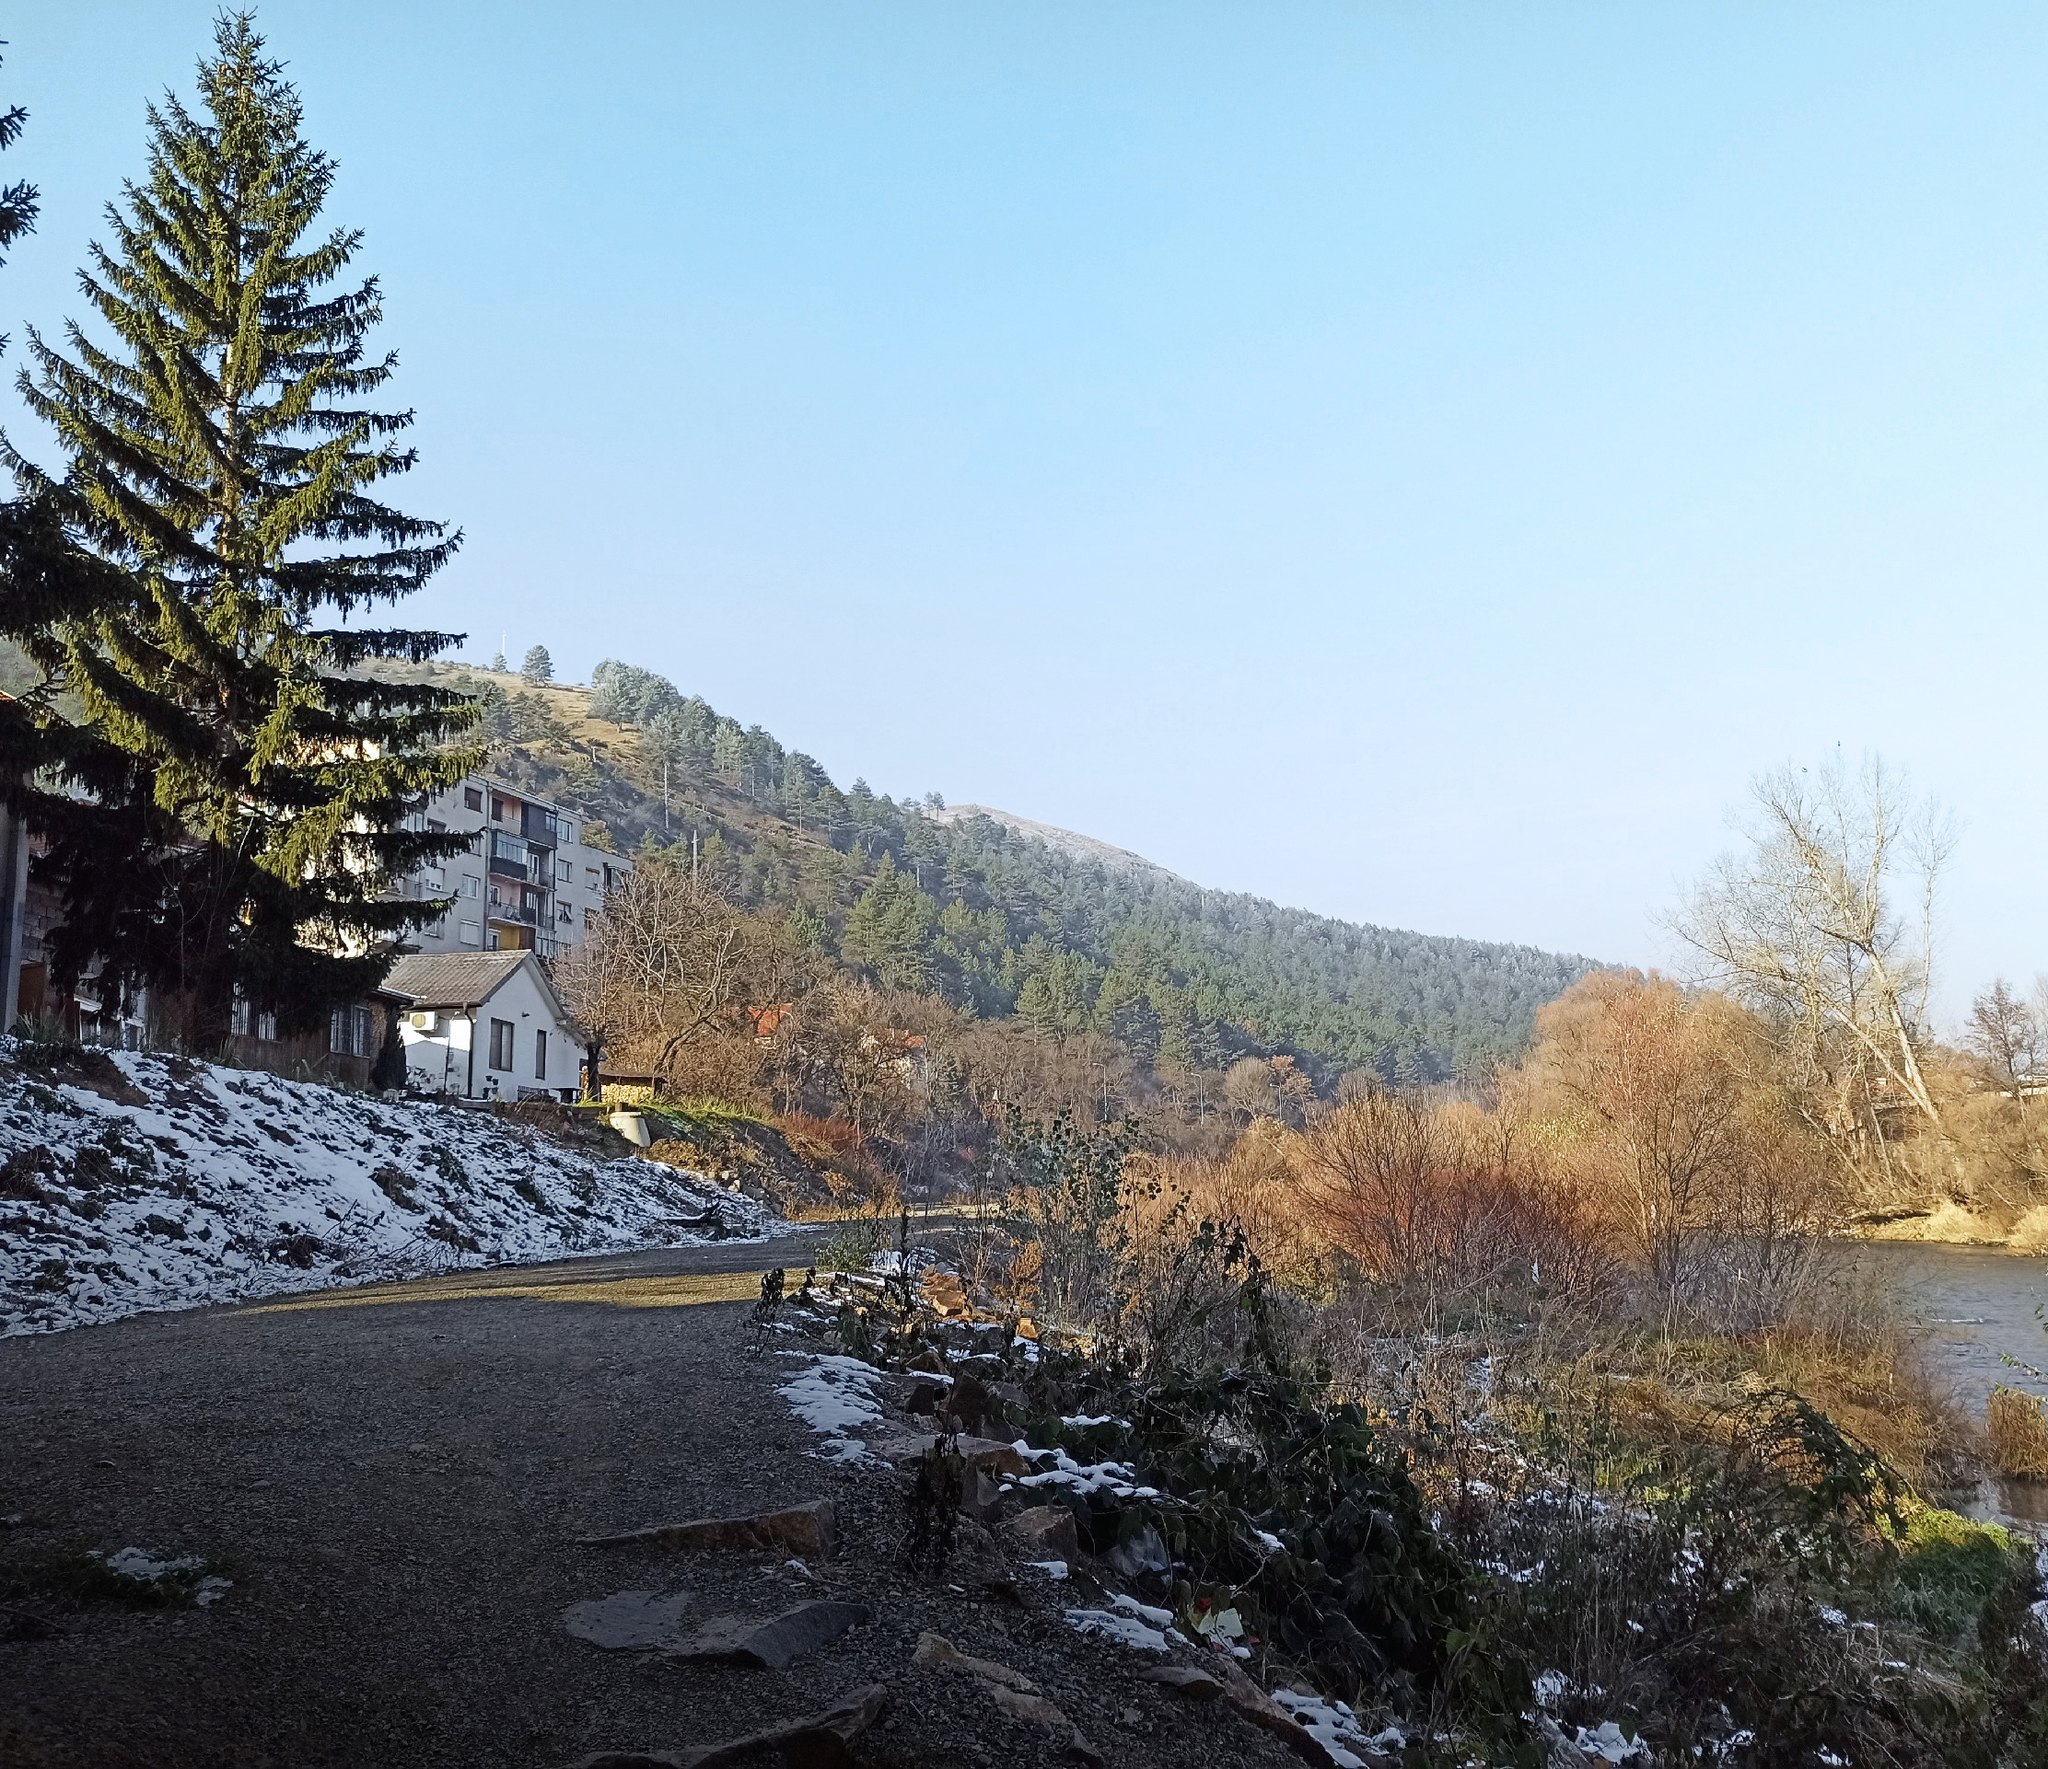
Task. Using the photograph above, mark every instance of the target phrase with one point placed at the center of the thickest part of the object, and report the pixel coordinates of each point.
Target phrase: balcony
(509, 857)
(537, 827)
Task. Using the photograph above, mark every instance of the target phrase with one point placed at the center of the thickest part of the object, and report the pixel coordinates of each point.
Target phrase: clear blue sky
(1416, 462)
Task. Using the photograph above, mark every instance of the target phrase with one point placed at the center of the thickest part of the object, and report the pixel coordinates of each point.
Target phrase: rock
(969, 1402)
(1269, 1716)
(1048, 1530)
(982, 1498)
(628, 1620)
(776, 1643)
(1183, 1680)
(924, 1397)
(985, 1453)
(1021, 1704)
(805, 1530)
(628, 1760)
(936, 1649)
(818, 1741)
(1040, 1712)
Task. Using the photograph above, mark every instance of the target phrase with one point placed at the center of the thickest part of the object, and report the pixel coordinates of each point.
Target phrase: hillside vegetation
(1004, 925)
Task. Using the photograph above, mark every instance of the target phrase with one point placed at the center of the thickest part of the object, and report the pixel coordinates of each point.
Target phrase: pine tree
(226, 810)
(537, 667)
(18, 201)
(889, 931)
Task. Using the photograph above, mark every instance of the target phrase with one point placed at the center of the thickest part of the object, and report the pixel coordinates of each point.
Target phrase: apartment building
(528, 883)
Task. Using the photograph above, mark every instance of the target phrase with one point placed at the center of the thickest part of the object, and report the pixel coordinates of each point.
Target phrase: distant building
(486, 1025)
(530, 883)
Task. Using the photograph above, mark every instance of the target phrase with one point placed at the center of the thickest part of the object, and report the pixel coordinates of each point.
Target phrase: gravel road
(395, 1478)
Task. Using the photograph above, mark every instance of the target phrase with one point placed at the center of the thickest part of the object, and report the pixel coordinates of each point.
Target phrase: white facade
(529, 882)
(500, 1032)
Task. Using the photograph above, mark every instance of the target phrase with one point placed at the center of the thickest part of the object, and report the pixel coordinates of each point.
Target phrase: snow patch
(835, 1397)
(1125, 1630)
(150, 1568)
(230, 1184)
(1093, 1477)
(1606, 1742)
(1335, 1727)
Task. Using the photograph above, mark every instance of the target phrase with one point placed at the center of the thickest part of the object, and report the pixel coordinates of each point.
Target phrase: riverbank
(1953, 1226)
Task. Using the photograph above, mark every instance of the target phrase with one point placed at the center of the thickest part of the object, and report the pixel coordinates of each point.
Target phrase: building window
(352, 1031)
(590, 874)
(540, 1056)
(472, 933)
(564, 871)
(472, 887)
(501, 1045)
(436, 827)
(473, 798)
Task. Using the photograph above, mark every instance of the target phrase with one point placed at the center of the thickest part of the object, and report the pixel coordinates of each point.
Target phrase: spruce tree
(18, 201)
(537, 667)
(223, 788)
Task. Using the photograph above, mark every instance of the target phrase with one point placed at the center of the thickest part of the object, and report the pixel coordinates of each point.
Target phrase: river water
(1981, 1318)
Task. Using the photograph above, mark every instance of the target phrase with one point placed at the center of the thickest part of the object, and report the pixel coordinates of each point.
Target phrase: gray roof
(453, 979)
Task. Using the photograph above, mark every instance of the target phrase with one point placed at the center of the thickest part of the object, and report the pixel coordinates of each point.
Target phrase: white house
(486, 1025)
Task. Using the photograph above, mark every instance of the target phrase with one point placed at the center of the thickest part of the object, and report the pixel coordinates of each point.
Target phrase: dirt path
(396, 1477)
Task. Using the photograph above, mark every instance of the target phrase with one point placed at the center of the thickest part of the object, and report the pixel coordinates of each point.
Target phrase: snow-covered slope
(133, 1181)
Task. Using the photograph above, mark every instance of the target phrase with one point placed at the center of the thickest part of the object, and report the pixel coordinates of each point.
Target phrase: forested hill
(1002, 923)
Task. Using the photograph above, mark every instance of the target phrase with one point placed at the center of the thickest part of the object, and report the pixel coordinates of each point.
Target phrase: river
(1980, 1314)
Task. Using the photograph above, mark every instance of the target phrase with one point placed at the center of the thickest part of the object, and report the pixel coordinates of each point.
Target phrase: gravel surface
(395, 1479)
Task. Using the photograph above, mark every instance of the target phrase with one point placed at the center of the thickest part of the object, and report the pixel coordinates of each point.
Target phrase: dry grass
(2018, 1430)
(1951, 1224)
(2030, 1233)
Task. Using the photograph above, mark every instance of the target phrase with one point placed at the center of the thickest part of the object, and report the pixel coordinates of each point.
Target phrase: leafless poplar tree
(1824, 924)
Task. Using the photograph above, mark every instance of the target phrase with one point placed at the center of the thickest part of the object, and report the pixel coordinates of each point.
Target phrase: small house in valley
(486, 1025)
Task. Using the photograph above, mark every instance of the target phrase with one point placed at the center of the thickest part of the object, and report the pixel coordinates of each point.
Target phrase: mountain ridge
(1069, 841)
(975, 905)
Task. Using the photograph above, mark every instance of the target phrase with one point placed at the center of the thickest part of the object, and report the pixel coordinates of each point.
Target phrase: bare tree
(1803, 927)
(2006, 1033)
(671, 961)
